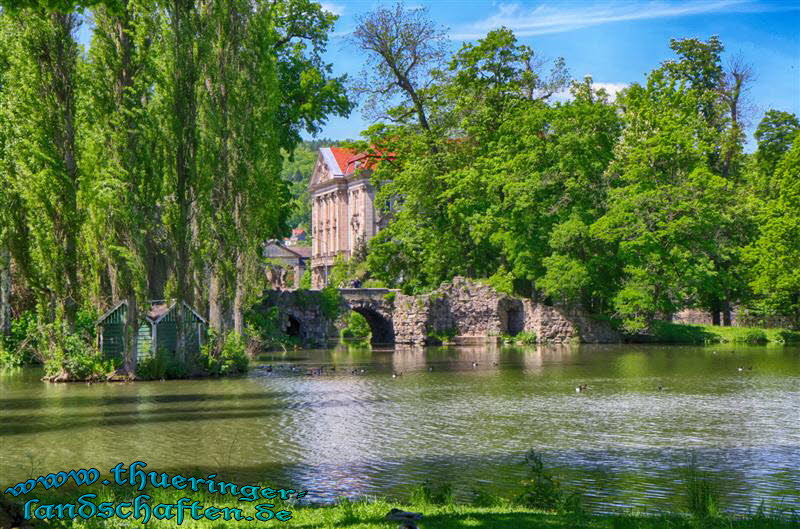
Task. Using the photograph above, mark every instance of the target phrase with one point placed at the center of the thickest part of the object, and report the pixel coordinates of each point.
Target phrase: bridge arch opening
(381, 327)
(293, 327)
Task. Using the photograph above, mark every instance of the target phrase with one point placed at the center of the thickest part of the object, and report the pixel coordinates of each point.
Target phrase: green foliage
(542, 490)
(357, 327)
(165, 365)
(389, 297)
(429, 493)
(775, 276)
(663, 332)
(225, 355)
(154, 157)
(331, 302)
(305, 280)
(21, 345)
(440, 336)
(480, 497)
(754, 337)
(154, 367)
(9, 359)
(787, 337)
(702, 498)
(77, 360)
(523, 337)
(265, 330)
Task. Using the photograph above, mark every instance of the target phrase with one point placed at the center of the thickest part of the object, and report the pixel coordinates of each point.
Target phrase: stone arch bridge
(460, 308)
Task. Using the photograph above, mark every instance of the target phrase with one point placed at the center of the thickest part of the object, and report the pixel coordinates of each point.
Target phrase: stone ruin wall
(472, 310)
(475, 310)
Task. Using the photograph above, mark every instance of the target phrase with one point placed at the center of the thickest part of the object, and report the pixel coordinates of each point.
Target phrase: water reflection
(463, 415)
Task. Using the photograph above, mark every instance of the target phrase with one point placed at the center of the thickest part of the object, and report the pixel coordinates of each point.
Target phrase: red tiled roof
(344, 158)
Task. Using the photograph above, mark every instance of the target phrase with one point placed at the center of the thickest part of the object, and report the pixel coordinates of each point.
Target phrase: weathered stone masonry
(464, 308)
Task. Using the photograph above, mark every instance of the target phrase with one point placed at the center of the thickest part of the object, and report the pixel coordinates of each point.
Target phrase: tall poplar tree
(120, 152)
(39, 110)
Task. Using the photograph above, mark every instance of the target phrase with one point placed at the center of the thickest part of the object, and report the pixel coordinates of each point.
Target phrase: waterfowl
(660, 388)
(430, 369)
(582, 387)
(474, 364)
(395, 374)
(741, 368)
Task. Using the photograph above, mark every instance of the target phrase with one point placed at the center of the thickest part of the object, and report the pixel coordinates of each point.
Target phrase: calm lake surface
(621, 443)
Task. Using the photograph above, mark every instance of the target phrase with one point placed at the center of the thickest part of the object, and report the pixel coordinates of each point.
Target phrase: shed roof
(158, 309)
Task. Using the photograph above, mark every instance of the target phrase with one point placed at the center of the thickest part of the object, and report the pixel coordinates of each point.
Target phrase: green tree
(39, 111)
(775, 134)
(121, 156)
(674, 215)
(775, 276)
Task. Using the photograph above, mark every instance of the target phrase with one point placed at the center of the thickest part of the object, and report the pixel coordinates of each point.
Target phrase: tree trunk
(215, 303)
(5, 290)
(238, 298)
(131, 332)
(184, 130)
(726, 313)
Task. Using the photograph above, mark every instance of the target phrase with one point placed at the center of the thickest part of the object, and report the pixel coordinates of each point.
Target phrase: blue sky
(617, 43)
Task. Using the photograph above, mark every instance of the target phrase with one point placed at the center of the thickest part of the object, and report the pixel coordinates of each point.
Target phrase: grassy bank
(675, 333)
(372, 515)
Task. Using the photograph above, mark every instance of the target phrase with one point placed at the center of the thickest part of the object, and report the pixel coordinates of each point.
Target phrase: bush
(429, 494)
(225, 356)
(9, 359)
(76, 360)
(441, 336)
(154, 367)
(373, 283)
(753, 336)
(542, 490)
(357, 327)
(305, 279)
(22, 343)
(389, 297)
(787, 337)
(524, 338)
(331, 302)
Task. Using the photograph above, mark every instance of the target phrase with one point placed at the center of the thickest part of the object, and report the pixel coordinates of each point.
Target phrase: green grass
(709, 334)
(370, 514)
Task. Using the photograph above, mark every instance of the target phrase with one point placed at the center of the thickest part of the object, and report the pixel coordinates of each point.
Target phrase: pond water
(622, 443)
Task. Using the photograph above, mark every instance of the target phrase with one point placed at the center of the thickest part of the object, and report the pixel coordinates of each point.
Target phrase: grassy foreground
(676, 333)
(370, 514)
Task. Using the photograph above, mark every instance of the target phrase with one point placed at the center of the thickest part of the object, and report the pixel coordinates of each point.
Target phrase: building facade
(285, 264)
(343, 213)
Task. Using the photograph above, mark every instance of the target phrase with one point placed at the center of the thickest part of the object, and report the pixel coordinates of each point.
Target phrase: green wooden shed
(159, 330)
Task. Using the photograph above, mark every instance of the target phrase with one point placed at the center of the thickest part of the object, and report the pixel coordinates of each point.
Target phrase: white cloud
(612, 89)
(560, 17)
(336, 9)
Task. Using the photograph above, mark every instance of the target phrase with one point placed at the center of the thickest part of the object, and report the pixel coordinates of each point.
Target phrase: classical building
(286, 264)
(343, 214)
